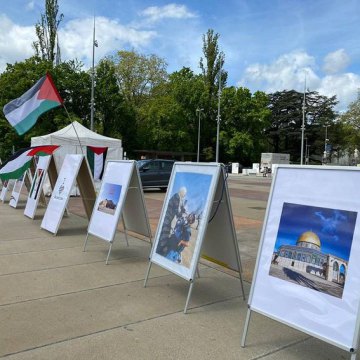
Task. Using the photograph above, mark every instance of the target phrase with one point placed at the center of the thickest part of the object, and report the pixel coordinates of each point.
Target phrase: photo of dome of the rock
(313, 247)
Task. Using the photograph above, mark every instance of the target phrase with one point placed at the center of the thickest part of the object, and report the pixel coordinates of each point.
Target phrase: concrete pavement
(58, 302)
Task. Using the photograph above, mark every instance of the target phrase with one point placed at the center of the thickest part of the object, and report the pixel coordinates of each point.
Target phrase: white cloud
(76, 38)
(15, 42)
(170, 11)
(288, 72)
(30, 5)
(344, 86)
(336, 61)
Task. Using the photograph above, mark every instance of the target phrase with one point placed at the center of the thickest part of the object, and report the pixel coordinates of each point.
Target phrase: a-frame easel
(120, 195)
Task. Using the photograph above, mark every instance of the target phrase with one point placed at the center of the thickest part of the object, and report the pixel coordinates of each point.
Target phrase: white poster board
(60, 196)
(120, 195)
(7, 186)
(307, 273)
(15, 195)
(109, 203)
(36, 189)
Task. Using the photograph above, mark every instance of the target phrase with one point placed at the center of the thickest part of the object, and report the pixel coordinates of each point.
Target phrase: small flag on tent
(96, 157)
(23, 112)
(18, 163)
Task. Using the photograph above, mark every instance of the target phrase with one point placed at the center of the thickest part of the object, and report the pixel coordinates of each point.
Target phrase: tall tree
(245, 116)
(211, 65)
(284, 132)
(138, 74)
(169, 116)
(116, 116)
(46, 32)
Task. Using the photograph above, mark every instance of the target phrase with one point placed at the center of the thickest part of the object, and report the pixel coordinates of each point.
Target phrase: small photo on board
(109, 198)
(313, 247)
(183, 217)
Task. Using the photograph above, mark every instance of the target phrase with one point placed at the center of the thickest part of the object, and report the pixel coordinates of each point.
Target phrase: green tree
(211, 66)
(284, 132)
(138, 74)
(116, 117)
(245, 116)
(351, 124)
(46, 32)
(169, 116)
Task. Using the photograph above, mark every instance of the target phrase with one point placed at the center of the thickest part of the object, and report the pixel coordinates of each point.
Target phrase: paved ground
(58, 302)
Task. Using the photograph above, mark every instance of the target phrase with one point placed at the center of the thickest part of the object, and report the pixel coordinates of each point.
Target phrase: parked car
(155, 173)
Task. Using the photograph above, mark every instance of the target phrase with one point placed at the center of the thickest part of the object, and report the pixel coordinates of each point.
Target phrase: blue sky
(111, 192)
(334, 227)
(268, 45)
(197, 186)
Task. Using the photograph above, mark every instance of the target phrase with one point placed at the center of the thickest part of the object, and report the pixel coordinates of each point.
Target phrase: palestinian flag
(23, 112)
(96, 157)
(18, 163)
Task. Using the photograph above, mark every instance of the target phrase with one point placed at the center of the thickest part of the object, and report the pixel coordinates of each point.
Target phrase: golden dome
(309, 237)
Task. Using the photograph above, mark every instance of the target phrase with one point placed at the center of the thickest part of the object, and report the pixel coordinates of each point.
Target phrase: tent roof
(72, 133)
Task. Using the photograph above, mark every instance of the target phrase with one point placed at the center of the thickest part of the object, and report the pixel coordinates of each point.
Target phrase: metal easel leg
(126, 237)
(242, 285)
(147, 273)
(197, 271)
(189, 295)
(246, 326)
(353, 356)
(87, 236)
(108, 255)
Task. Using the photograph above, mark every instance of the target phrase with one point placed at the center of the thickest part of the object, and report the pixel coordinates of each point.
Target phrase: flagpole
(92, 101)
(72, 123)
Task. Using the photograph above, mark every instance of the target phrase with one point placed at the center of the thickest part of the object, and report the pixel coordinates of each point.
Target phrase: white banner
(61, 193)
(37, 186)
(7, 186)
(109, 203)
(308, 272)
(15, 195)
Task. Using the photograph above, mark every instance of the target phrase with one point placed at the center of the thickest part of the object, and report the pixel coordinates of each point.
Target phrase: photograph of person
(182, 218)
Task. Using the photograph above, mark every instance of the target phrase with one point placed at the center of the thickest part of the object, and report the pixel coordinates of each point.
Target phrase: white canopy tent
(70, 137)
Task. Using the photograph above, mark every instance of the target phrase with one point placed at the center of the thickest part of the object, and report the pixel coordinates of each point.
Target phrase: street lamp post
(325, 144)
(218, 115)
(92, 103)
(303, 125)
(198, 149)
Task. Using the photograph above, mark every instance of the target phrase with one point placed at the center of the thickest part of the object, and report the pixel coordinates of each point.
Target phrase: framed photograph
(184, 217)
(308, 273)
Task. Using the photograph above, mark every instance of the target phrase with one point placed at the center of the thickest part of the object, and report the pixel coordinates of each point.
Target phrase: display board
(196, 202)
(16, 191)
(36, 189)
(120, 195)
(74, 168)
(307, 273)
(221, 226)
(7, 187)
